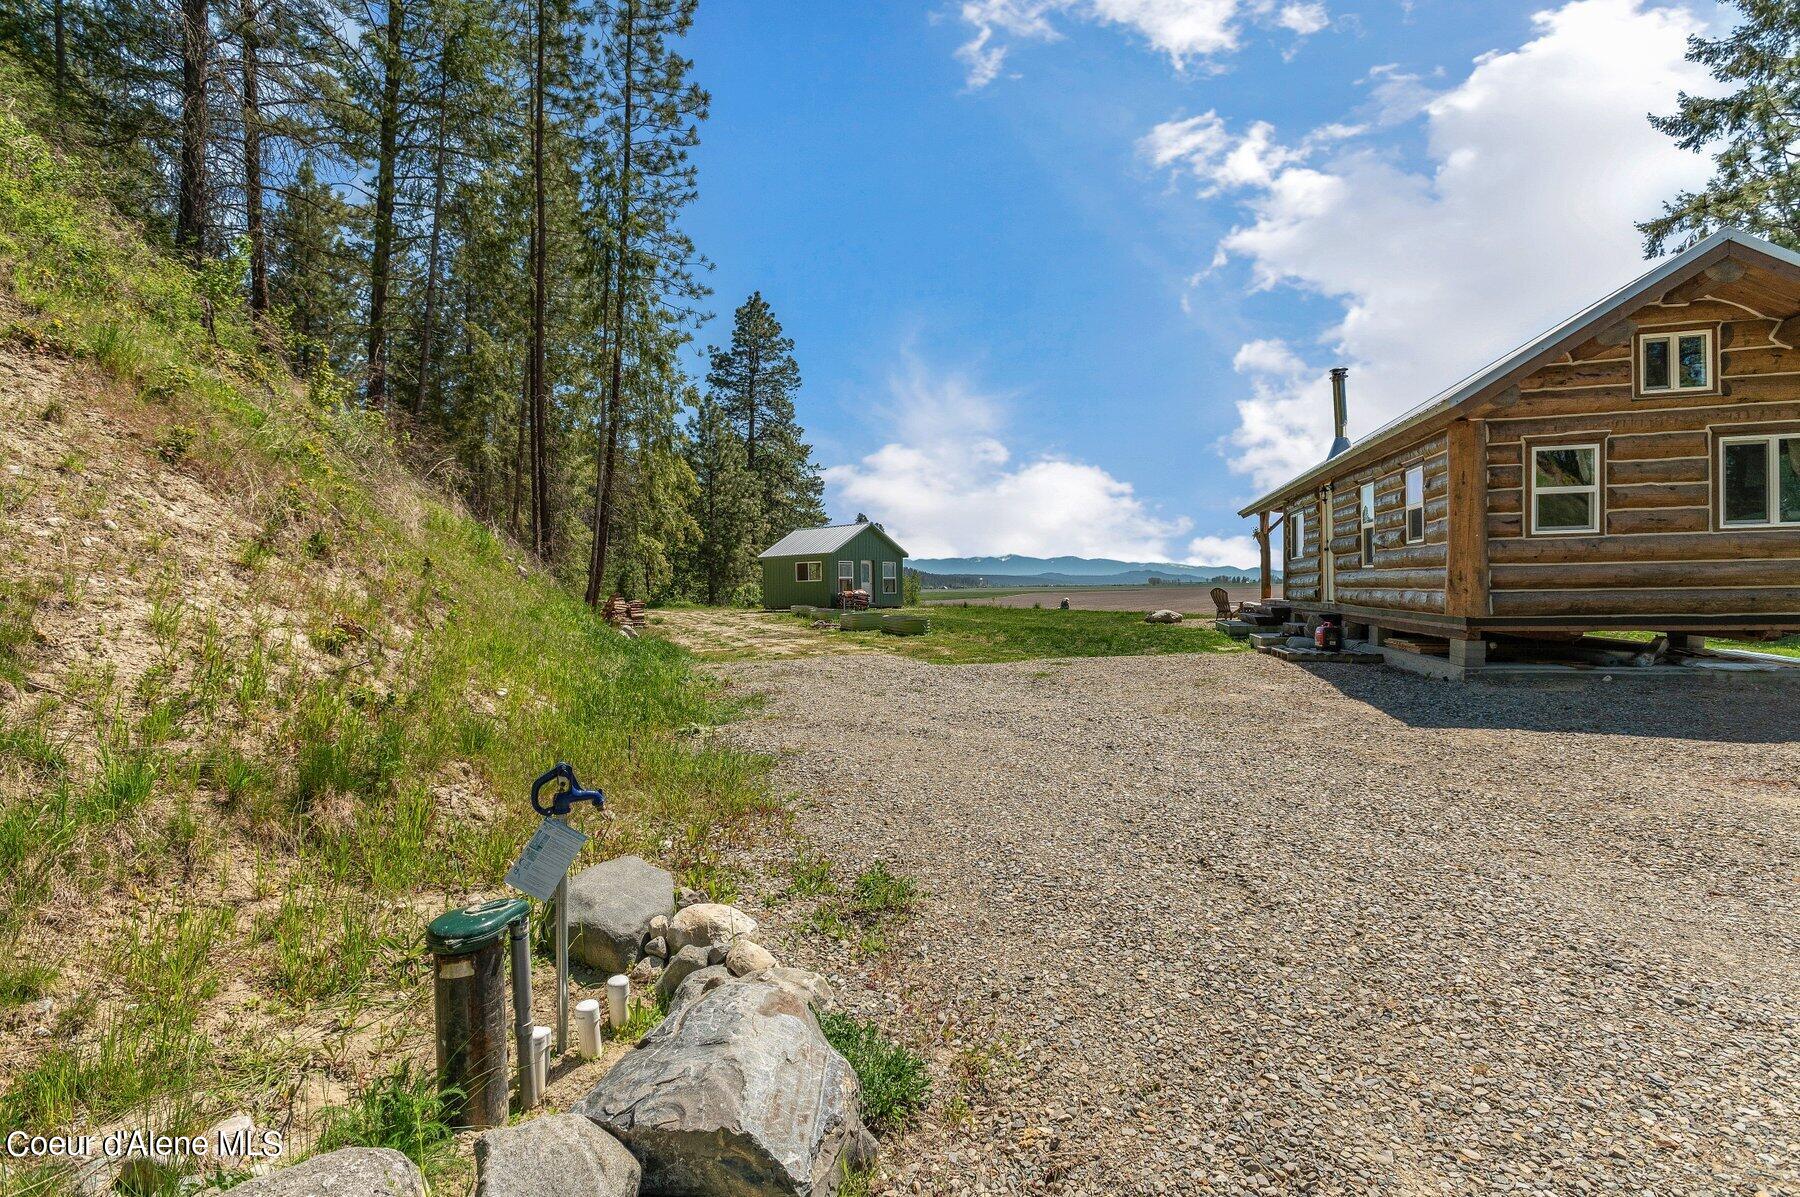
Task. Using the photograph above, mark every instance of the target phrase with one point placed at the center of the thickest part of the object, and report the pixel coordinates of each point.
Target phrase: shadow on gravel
(1756, 712)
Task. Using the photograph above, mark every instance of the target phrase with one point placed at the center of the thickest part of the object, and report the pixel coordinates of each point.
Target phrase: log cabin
(1636, 467)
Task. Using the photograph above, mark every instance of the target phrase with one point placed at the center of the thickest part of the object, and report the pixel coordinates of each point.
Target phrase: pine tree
(1756, 176)
(725, 505)
(313, 272)
(754, 380)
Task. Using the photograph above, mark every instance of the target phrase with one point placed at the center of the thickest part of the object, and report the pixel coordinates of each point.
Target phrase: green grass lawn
(984, 635)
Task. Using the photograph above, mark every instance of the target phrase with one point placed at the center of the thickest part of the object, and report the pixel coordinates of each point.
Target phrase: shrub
(894, 1079)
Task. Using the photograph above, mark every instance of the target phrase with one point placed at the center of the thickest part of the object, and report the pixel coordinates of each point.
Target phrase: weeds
(809, 875)
(402, 1111)
(894, 1079)
(879, 891)
(21, 983)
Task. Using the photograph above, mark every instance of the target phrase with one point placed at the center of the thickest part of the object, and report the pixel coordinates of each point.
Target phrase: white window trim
(1673, 340)
(1296, 541)
(1409, 507)
(1772, 513)
(809, 571)
(1592, 527)
(890, 578)
(1365, 522)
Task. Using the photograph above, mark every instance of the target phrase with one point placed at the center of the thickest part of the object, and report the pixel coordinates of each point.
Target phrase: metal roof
(1494, 373)
(807, 541)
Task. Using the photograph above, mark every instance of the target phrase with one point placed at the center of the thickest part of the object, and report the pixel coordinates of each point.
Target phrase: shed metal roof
(1496, 374)
(807, 541)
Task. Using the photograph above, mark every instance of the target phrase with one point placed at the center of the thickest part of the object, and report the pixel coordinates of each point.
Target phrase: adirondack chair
(1222, 603)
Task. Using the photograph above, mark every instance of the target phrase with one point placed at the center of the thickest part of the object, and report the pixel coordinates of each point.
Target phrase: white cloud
(949, 487)
(1238, 551)
(1539, 162)
(1185, 30)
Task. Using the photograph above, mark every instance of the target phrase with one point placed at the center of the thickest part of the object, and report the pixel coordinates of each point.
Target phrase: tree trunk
(594, 561)
(253, 180)
(432, 255)
(540, 481)
(603, 517)
(196, 58)
(518, 470)
(383, 250)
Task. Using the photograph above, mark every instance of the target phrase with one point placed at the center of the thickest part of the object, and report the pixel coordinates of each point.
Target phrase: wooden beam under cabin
(1726, 272)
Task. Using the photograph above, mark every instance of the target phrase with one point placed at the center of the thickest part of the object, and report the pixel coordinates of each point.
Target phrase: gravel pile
(1220, 924)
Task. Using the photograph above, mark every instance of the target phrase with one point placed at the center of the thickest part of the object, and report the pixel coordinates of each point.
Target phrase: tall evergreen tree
(1756, 170)
(725, 505)
(754, 380)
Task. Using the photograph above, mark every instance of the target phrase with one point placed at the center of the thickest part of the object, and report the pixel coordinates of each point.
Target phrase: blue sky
(1065, 275)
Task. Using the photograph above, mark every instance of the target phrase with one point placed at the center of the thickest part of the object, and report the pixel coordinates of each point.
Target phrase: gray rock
(698, 982)
(708, 923)
(685, 897)
(347, 1172)
(645, 971)
(659, 926)
(815, 990)
(610, 908)
(656, 947)
(737, 1092)
(690, 959)
(716, 953)
(747, 957)
(1163, 617)
(558, 1155)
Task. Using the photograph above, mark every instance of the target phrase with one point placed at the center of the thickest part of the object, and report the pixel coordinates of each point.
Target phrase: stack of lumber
(622, 614)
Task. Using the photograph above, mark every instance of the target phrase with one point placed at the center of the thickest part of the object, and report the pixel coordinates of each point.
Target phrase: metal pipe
(562, 965)
(529, 1095)
(1340, 411)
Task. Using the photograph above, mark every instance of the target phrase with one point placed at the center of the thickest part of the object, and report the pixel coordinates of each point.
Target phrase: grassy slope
(265, 702)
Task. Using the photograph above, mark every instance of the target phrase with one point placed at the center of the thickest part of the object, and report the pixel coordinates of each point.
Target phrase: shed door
(868, 578)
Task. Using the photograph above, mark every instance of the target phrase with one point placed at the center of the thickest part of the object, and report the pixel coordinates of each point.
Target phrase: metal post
(562, 965)
(529, 1097)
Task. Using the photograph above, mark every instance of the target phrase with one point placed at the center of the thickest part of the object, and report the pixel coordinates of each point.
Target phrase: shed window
(1365, 515)
(847, 571)
(809, 571)
(1761, 485)
(1565, 488)
(1669, 363)
(1415, 504)
(890, 577)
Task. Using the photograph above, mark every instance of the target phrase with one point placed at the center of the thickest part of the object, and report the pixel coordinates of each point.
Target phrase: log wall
(1661, 551)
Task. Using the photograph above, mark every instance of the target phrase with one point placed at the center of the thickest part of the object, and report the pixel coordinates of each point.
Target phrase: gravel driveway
(1220, 924)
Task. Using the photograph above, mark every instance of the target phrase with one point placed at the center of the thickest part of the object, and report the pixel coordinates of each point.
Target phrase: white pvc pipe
(618, 999)
(587, 1027)
(540, 1057)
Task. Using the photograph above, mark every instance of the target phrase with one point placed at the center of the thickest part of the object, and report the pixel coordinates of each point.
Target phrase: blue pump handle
(563, 800)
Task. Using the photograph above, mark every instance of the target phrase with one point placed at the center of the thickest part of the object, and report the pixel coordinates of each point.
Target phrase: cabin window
(847, 572)
(1761, 481)
(1296, 537)
(1415, 504)
(1565, 488)
(1365, 514)
(809, 571)
(1670, 363)
(890, 577)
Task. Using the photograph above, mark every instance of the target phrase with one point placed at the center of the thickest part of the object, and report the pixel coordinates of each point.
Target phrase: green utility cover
(459, 932)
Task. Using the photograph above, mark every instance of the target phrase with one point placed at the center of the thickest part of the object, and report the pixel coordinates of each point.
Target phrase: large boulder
(696, 983)
(736, 1092)
(814, 989)
(611, 907)
(558, 1155)
(708, 924)
(347, 1172)
(1163, 617)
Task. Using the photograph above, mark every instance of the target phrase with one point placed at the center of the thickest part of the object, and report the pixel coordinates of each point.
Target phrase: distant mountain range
(1015, 570)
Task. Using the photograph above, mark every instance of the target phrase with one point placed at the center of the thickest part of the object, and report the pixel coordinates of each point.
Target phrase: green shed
(807, 567)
